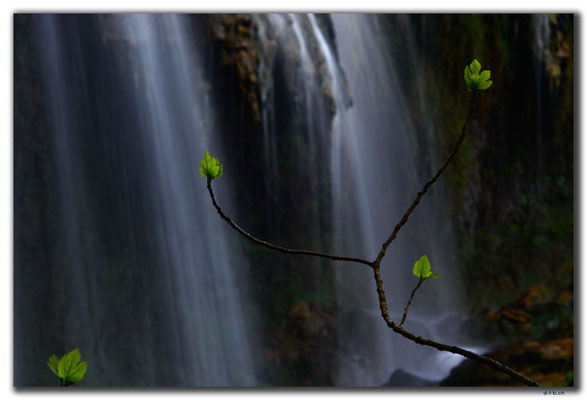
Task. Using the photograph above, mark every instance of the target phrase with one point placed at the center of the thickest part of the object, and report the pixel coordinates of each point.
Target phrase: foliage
(68, 368)
(422, 269)
(475, 79)
(210, 167)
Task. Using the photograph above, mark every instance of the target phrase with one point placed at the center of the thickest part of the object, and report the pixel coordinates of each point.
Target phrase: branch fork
(375, 265)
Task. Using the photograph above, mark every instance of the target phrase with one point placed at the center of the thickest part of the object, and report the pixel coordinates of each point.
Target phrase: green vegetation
(422, 269)
(475, 79)
(210, 167)
(68, 368)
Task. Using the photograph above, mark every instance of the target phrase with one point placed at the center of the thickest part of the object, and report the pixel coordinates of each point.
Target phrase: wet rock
(540, 314)
(403, 378)
(301, 348)
(550, 363)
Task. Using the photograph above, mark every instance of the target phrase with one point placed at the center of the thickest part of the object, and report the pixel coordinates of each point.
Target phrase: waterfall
(374, 175)
(152, 276)
(144, 277)
(375, 178)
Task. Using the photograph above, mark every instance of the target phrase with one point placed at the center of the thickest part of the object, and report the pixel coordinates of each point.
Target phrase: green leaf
(69, 369)
(210, 167)
(78, 374)
(436, 275)
(484, 85)
(54, 364)
(475, 67)
(474, 85)
(467, 74)
(65, 365)
(475, 79)
(422, 268)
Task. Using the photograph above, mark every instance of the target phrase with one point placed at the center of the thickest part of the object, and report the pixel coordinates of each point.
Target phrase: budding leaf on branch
(210, 167)
(422, 269)
(475, 79)
(69, 367)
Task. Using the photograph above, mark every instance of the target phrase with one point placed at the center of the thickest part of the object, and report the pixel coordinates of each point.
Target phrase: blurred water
(375, 177)
(194, 319)
(153, 286)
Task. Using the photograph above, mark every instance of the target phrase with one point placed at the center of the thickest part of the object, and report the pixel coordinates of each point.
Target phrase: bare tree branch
(427, 185)
(376, 266)
(382, 302)
(465, 353)
(276, 247)
(420, 281)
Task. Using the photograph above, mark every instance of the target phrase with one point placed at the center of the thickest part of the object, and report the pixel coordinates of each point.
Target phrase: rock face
(550, 363)
(510, 188)
(402, 378)
(535, 336)
(283, 197)
(303, 342)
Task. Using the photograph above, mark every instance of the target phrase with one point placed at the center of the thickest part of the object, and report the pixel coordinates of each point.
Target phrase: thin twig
(376, 266)
(465, 353)
(404, 219)
(428, 184)
(377, 263)
(280, 248)
(420, 281)
(379, 282)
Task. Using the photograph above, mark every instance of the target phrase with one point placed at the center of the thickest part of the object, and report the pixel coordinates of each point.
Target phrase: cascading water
(375, 179)
(151, 273)
(149, 283)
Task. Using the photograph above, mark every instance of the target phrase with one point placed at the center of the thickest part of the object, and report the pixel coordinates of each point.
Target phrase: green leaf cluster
(422, 269)
(210, 167)
(68, 368)
(475, 79)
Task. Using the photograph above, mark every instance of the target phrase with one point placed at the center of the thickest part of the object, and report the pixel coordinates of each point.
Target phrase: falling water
(374, 177)
(147, 274)
(132, 142)
(374, 180)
